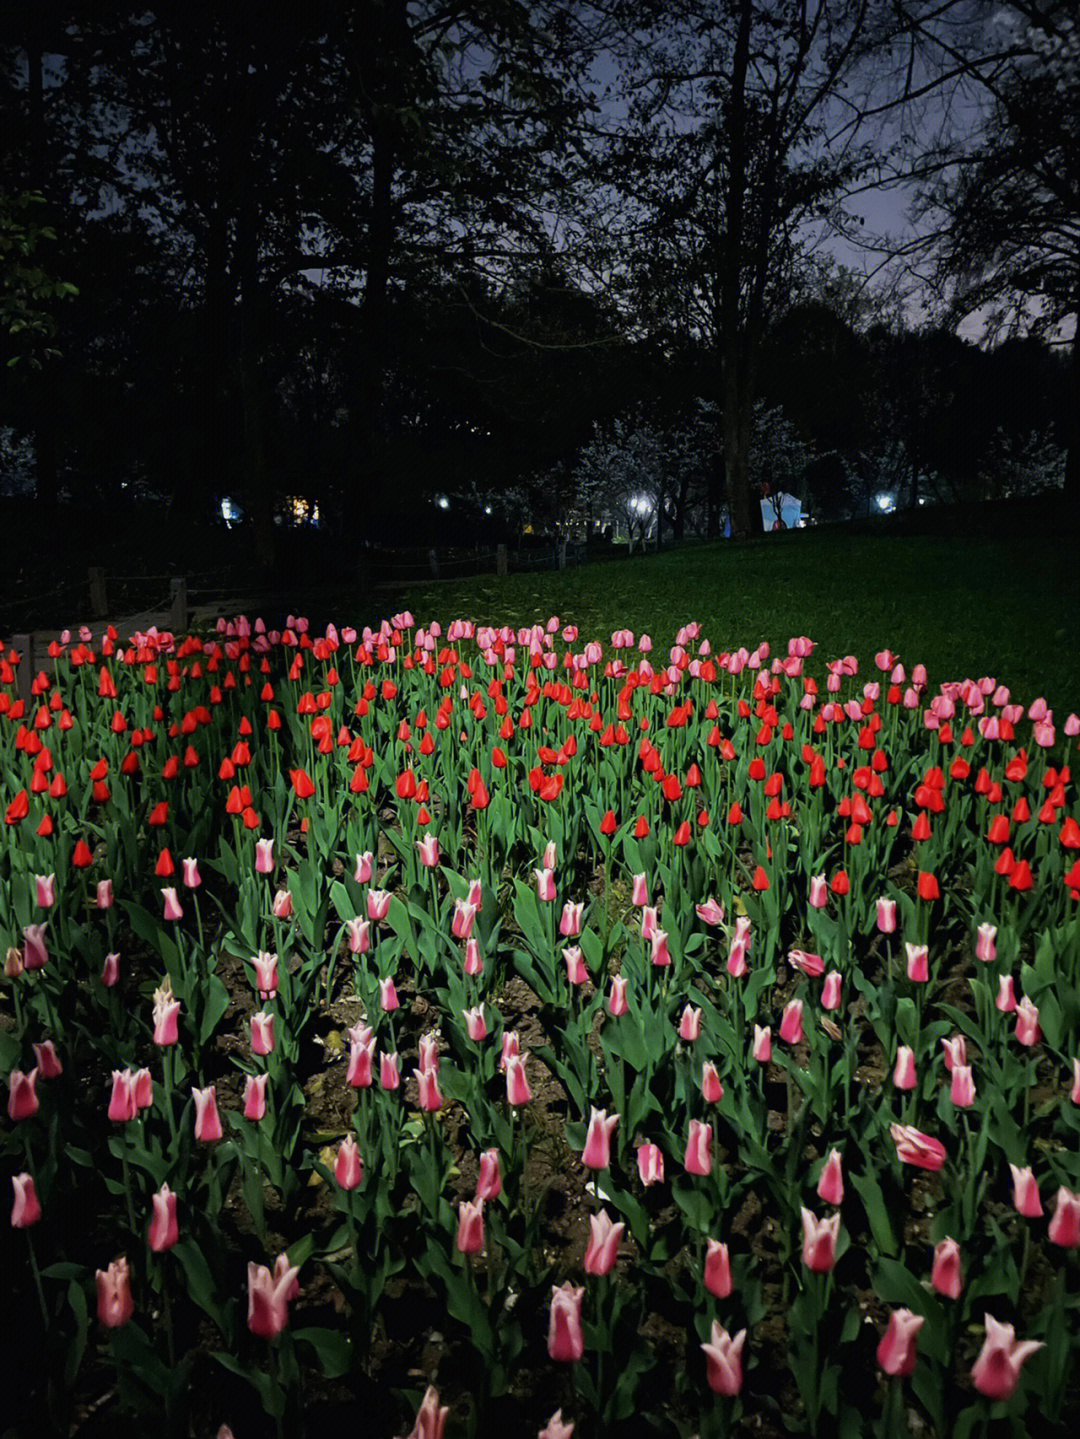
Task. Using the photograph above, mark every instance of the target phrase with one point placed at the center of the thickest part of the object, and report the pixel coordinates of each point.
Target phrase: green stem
(37, 1281)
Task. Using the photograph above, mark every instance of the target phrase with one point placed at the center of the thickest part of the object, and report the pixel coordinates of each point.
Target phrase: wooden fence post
(178, 606)
(23, 645)
(561, 554)
(99, 599)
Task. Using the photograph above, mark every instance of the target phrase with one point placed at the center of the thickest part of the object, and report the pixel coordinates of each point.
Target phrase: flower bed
(682, 1043)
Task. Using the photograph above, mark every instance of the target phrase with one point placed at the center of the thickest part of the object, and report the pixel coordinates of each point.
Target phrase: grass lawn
(1007, 606)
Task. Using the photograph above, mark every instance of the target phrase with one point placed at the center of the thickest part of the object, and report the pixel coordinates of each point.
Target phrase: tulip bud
(517, 1085)
(897, 1351)
(269, 1294)
(650, 1164)
(641, 890)
(1064, 1227)
(947, 1276)
(470, 1233)
(962, 1092)
(192, 879)
(115, 1304)
(348, 1166)
(690, 1025)
(22, 1094)
(389, 1074)
(886, 916)
(430, 1096)
(104, 894)
(264, 856)
(918, 968)
(164, 1230)
(723, 1360)
(762, 1051)
(597, 1151)
(1028, 1031)
(1026, 1192)
(698, 1157)
(985, 947)
(996, 1372)
(819, 892)
(712, 1091)
(566, 1339)
(603, 1247)
(830, 990)
(262, 1033)
(282, 906)
(545, 884)
(819, 1241)
(475, 1023)
(830, 1186)
(35, 955)
(48, 1061)
(717, 1276)
(489, 1180)
(791, 1026)
(45, 890)
(26, 1209)
(207, 1121)
(617, 1003)
(172, 904)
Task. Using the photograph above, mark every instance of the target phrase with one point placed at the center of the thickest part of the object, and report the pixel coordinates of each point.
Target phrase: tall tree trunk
(371, 422)
(1072, 430)
(257, 491)
(733, 373)
(41, 395)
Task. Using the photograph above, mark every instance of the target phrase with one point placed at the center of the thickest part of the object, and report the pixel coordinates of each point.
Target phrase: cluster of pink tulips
(349, 962)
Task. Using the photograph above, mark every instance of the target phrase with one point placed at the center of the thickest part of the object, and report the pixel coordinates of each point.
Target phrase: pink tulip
(388, 999)
(389, 1073)
(723, 1360)
(348, 1165)
(597, 1151)
(736, 960)
(475, 896)
(717, 1276)
(812, 965)
(115, 1305)
(576, 972)
(830, 1186)
(269, 1295)
(711, 912)
(430, 1418)
(556, 1429)
(207, 1121)
(255, 1097)
(428, 1048)
(985, 948)
(1026, 1192)
(192, 878)
(45, 890)
(429, 851)
(22, 1094)
(266, 974)
(918, 967)
(690, 1025)
(282, 905)
(474, 963)
(461, 925)
(365, 866)
(566, 1339)
(104, 894)
(947, 1275)
(897, 1351)
(762, 1050)
(962, 1091)
(712, 1091)
(166, 1016)
(886, 915)
(378, 904)
(143, 1086)
(359, 935)
(955, 1051)
(649, 916)
(26, 1209)
(35, 955)
(819, 1241)
(1028, 1031)
(603, 1247)
(264, 856)
(545, 884)
(617, 1003)
(996, 1372)
(262, 1033)
(831, 997)
(164, 1230)
(1074, 1096)
(470, 1233)
(122, 1106)
(819, 892)
(1006, 995)
(570, 923)
(551, 856)
(489, 1179)
(791, 1026)
(914, 1147)
(510, 1047)
(698, 1158)
(660, 955)
(361, 1056)
(1065, 1223)
(427, 1081)
(650, 1163)
(110, 971)
(48, 1061)
(172, 904)
(641, 890)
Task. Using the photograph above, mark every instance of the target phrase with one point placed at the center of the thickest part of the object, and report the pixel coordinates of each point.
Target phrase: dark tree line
(373, 251)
